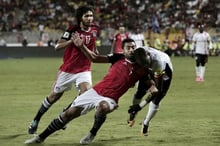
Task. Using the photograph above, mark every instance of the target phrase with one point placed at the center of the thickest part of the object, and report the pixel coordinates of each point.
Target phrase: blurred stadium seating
(21, 19)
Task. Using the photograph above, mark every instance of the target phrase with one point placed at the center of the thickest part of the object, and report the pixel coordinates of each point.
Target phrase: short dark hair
(81, 11)
(142, 57)
(127, 40)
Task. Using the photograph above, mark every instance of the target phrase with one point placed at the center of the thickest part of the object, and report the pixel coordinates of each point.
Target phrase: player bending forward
(162, 67)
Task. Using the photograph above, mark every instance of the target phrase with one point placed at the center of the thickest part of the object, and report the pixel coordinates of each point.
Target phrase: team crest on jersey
(66, 35)
(94, 33)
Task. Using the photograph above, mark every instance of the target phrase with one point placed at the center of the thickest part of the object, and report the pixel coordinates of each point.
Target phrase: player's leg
(63, 83)
(104, 107)
(82, 88)
(143, 86)
(81, 105)
(198, 67)
(56, 124)
(204, 59)
(163, 86)
(46, 104)
(83, 82)
(141, 91)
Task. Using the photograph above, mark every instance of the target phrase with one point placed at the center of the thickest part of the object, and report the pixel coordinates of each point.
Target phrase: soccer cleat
(131, 119)
(201, 80)
(35, 139)
(131, 123)
(198, 79)
(87, 139)
(33, 127)
(144, 130)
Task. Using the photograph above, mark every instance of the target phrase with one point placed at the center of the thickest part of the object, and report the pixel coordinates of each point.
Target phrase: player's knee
(70, 114)
(103, 108)
(53, 97)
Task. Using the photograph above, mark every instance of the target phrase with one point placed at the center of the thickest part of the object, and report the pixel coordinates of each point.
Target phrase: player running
(76, 67)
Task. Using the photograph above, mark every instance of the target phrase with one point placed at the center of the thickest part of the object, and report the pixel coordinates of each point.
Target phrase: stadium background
(34, 23)
(189, 115)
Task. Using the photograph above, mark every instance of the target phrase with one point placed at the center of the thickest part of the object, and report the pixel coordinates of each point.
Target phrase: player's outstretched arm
(61, 44)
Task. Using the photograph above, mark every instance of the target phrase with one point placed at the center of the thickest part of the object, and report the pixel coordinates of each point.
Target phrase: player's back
(159, 59)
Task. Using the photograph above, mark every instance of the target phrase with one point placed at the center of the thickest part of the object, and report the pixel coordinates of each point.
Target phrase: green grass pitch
(189, 115)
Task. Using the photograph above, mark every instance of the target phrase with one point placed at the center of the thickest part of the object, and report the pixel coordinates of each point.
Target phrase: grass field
(189, 115)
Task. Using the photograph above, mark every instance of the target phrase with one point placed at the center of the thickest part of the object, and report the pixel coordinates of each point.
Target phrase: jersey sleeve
(68, 32)
(115, 57)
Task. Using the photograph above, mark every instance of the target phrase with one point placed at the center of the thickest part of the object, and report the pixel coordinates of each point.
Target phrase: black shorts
(201, 59)
(163, 85)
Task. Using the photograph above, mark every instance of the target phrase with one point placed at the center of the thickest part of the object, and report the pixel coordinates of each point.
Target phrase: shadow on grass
(6, 137)
(102, 142)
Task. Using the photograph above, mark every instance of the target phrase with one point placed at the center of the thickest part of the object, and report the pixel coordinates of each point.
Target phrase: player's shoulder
(94, 26)
(73, 28)
(206, 33)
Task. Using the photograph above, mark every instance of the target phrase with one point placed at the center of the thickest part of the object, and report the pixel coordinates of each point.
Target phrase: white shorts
(65, 80)
(90, 100)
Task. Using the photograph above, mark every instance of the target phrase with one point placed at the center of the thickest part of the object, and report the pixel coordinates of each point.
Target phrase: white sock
(198, 70)
(152, 110)
(202, 72)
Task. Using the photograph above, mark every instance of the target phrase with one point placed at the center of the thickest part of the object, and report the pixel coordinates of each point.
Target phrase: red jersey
(74, 60)
(118, 42)
(121, 76)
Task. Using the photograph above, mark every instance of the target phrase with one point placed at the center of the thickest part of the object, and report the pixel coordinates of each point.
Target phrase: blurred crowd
(156, 16)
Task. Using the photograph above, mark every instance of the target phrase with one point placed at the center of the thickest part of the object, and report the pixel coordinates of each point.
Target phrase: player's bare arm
(61, 44)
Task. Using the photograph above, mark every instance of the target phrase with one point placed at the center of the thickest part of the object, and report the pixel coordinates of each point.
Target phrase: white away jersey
(159, 60)
(201, 42)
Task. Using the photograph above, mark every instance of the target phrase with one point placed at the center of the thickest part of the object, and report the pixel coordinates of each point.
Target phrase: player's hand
(153, 90)
(76, 39)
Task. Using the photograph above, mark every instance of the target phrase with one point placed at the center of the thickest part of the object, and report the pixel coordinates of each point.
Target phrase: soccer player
(162, 67)
(76, 67)
(104, 96)
(138, 37)
(201, 43)
(117, 40)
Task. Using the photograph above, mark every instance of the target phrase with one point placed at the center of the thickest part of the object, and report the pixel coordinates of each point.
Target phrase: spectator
(2, 43)
(25, 42)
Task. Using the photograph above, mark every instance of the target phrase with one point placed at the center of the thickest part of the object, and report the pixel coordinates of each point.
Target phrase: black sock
(55, 125)
(43, 109)
(97, 124)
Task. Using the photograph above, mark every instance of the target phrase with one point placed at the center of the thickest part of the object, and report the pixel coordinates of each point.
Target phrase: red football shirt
(74, 61)
(121, 76)
(118, 42)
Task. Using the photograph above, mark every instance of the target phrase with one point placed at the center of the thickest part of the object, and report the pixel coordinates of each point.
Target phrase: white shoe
(87, 139)
(35, 139)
